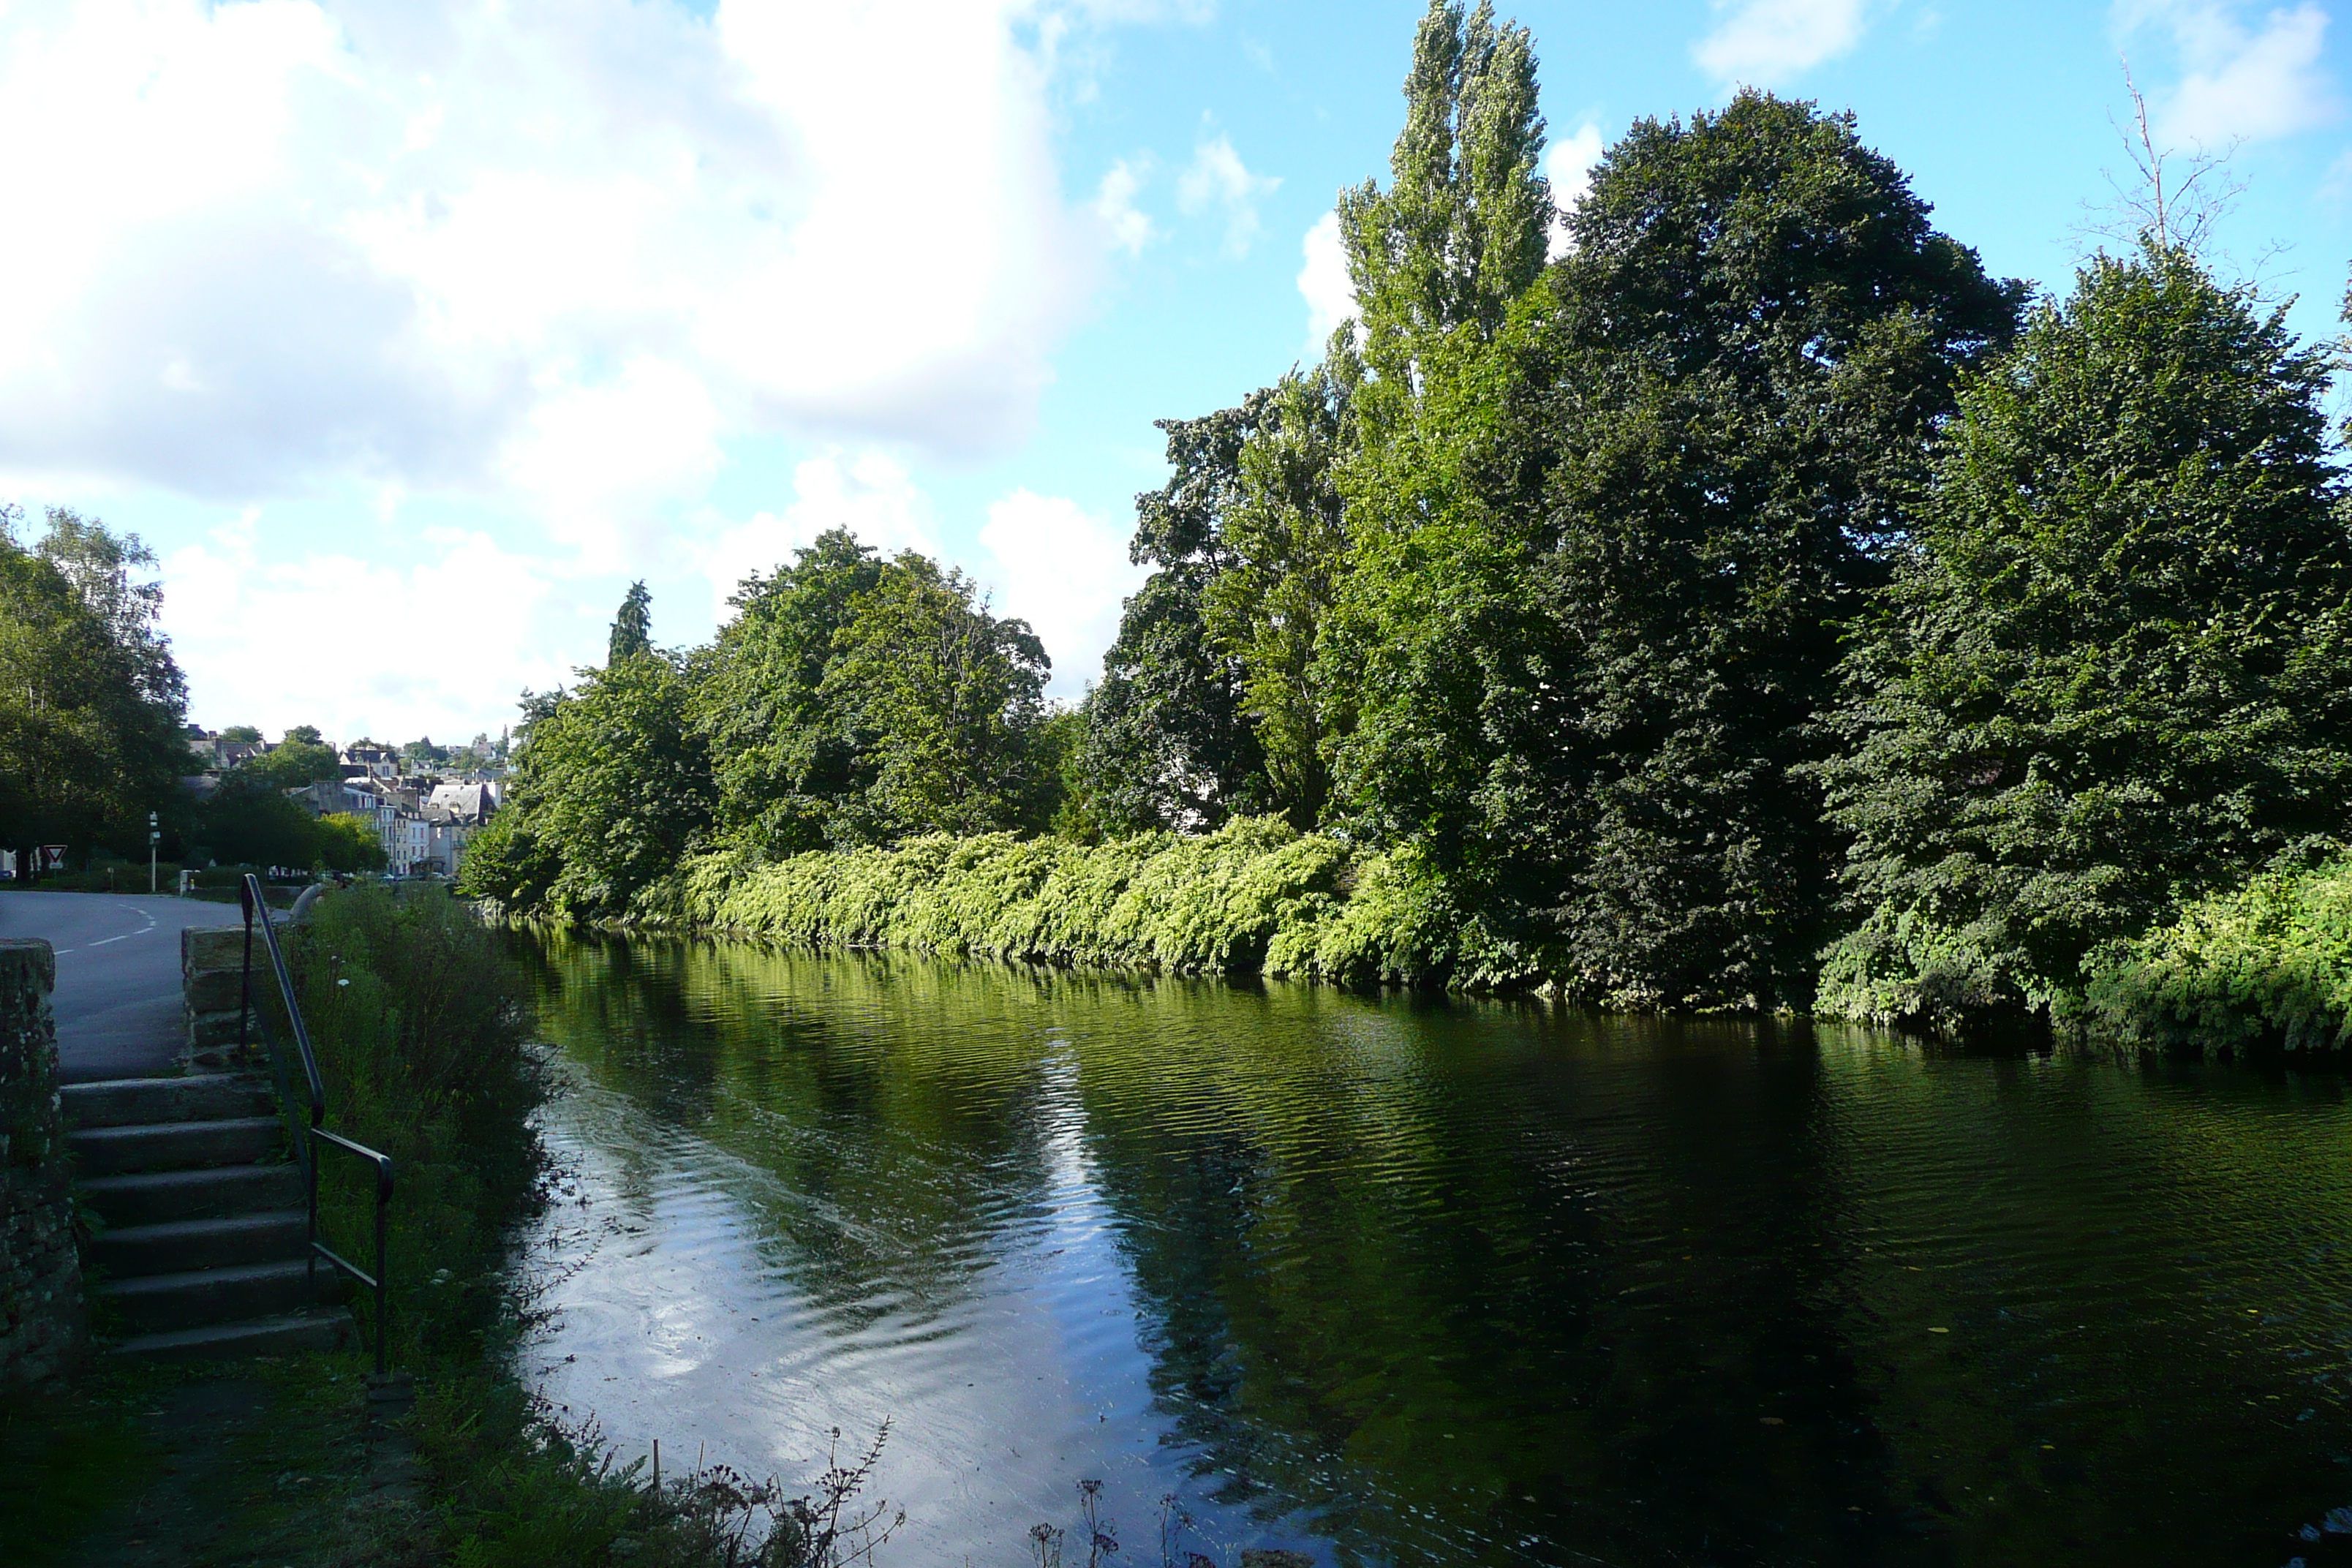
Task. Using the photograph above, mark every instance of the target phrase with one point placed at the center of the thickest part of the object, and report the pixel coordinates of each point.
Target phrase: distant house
(471, 803)
(371, 762)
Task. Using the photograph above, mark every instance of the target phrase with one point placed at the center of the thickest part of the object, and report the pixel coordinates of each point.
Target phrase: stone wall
(41, 1319)
(212, 974)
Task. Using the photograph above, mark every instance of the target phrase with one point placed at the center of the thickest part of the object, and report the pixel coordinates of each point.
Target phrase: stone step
(137, 1101)
(175, 1246)
(159, 1303)
(175, 1146)
(155, 1197)
(319, 1329)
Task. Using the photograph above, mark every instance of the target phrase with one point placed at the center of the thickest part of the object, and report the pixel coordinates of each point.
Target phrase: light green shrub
(2270, 962)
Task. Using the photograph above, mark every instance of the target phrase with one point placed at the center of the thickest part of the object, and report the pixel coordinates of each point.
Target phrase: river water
(1403, 1281)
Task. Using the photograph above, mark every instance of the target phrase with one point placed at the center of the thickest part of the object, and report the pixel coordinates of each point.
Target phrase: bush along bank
(2263, 967)
(1255, 897)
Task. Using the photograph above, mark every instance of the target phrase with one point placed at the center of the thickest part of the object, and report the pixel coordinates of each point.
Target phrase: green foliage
(1168, 744)
(421, 1026)
(248, 821)
(91, 704)
(1598, 573)
(610, 791)
(633, 626)
(2265, 964)
(348, 841)
(1256, 896)
(781, 761)
(942, 702)
(294, 761)
(2113, 674)
(245, 733)
(1462, 230)
(1286, 542)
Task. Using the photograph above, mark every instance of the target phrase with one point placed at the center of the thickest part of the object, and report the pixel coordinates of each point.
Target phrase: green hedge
(2269, 964)
(1255, 897)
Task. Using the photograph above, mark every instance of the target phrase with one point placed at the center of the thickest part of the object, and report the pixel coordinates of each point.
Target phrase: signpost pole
(154, 838)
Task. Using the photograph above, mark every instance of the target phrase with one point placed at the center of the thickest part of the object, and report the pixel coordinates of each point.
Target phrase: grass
(427, 1042)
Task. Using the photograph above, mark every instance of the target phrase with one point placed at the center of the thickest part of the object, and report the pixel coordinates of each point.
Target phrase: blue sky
(410, 333)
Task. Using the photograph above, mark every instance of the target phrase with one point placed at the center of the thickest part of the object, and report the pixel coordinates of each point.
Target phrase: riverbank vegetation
(1720, 595)
(425, 1037)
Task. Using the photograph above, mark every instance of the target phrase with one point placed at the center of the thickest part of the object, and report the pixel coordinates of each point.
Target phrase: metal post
(382, 1300)
(245, 984)
(154, 838)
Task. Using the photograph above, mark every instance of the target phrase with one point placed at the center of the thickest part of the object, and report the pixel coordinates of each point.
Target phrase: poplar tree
(1601, 615)
(2112, 672)
(1460, 231)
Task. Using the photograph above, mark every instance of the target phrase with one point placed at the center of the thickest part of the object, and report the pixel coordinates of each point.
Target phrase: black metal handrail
(249, 895)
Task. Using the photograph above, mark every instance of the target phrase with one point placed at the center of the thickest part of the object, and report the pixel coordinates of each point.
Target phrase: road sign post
(154, 838)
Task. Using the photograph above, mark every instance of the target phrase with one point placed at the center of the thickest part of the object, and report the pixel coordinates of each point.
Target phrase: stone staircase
(203, 1253)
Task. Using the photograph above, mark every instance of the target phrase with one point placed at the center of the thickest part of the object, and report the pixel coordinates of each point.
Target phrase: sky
(409, 333)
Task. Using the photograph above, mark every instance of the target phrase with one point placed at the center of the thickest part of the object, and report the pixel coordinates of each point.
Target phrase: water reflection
(1402, 1281)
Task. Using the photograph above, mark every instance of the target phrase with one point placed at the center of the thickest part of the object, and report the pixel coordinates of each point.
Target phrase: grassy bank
(1257, 897)
(426, 1038)
(2268, 966)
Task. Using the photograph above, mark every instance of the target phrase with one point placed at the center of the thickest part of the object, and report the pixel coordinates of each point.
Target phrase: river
(1408, 1280)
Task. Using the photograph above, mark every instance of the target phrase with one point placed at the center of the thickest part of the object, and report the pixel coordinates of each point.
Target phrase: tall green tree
(2112, 669)
(1286, 545)
(92, 705)
(610, 791)
(1602, 573)
(633, 626)
(1167, 742)
(781, 761)
(1461, 229)
(944, 703)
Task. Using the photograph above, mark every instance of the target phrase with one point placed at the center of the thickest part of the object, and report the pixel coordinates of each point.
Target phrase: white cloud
(1130, 229)
(1216, 178)
(292, 242)
(2238, 82)
(1064, 573)
(870, 494)
(1767, 42)
(1323, 283)
(440, 646)
(1569, 166)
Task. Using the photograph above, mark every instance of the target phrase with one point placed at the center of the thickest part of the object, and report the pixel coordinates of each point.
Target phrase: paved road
(118, 999)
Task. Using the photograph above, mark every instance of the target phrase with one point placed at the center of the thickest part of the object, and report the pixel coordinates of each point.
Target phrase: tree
(1600, 574)
(1461, 232)
(1286, 542)
(1167, 743)
(943, 703)
(632, 627)
(244, 733)
(295, 761)
(610, 791)
(781, 761)
(91, 703)
(248, 821)
(348, 841)
(2113, 671)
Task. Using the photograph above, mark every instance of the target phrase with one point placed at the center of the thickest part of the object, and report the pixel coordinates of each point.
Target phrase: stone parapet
(42, 1320)
(212, 975)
